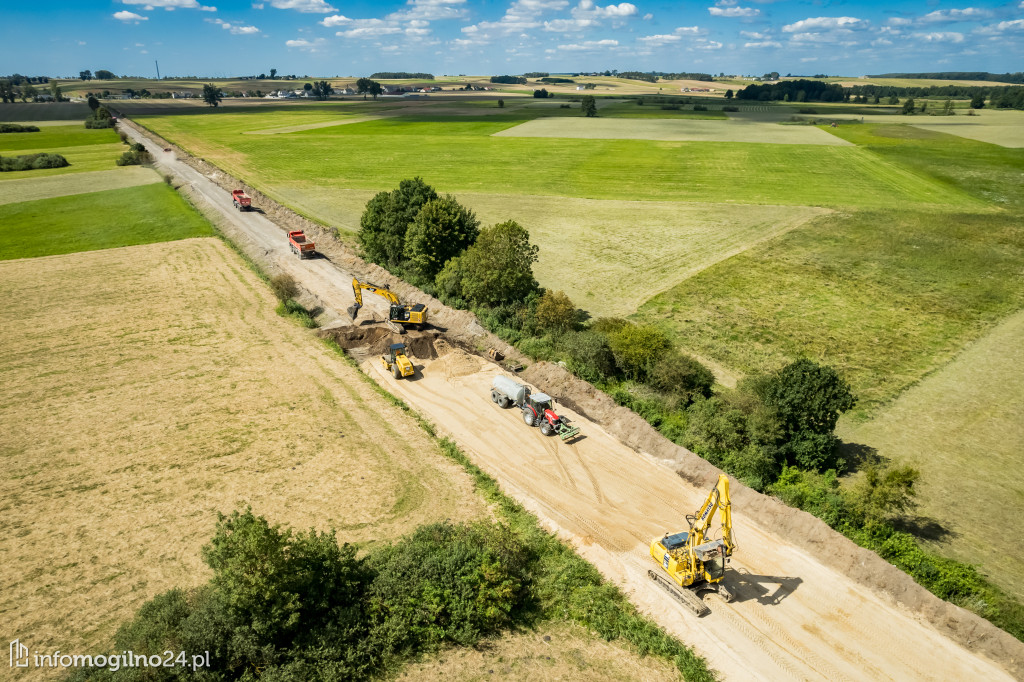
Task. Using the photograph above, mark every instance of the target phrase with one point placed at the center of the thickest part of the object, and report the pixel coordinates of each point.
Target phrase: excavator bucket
(353, 311)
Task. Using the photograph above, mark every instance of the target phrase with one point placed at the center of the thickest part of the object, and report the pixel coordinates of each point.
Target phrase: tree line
(398, 75)
(512, 80)
(1017, 77)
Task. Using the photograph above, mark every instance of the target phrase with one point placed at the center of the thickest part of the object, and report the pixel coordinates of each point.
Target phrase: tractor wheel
(396, 371)
(546, 428)
(494, 397)
(503, 402)
(528, 416)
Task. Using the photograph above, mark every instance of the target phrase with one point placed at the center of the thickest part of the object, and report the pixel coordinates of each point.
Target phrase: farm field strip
(97, 220)
(56, 136)
(31, 188)
(669, 130)
(124, 433)
(963, 426)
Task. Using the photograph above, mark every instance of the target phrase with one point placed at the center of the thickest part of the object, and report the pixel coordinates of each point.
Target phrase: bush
(699, 107)
(442, 229)
(32, 162)
(497, 269)
(388, 215)
(284, 287)
(638, 348)
(135, 156)
(99, 123)
(588, 355)
(556, 312)
(17, 128)
(682, 376)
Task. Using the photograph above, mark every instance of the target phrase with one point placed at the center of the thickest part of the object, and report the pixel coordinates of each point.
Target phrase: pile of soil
(798, 527)
(376, 339)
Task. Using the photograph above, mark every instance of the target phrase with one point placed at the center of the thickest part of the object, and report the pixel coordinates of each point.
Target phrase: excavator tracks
(684, 597)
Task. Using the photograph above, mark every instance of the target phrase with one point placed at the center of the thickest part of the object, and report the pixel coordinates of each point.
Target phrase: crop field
(97, 220)
(963, 427)
(85, 150)
(29, 188)
(378, 154)
(124, 433)
(44, 111)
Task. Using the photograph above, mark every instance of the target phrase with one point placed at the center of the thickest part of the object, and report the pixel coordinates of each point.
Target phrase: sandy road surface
(793, 619)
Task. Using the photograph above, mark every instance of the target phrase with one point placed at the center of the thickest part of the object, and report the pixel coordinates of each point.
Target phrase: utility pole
(157, 69)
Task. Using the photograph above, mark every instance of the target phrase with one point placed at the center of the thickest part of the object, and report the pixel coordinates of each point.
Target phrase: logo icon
(18, 655)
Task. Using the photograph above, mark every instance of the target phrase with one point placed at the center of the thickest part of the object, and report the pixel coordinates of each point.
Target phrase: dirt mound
(798, 527)
(371, 340)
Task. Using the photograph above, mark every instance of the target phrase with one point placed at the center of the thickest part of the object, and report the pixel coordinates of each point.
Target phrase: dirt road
(793, 618)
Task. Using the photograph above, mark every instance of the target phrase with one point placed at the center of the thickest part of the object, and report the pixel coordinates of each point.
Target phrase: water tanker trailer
(537, 408)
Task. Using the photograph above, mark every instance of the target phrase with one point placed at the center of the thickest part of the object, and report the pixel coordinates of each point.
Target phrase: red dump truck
(241, 200)
(300, 246)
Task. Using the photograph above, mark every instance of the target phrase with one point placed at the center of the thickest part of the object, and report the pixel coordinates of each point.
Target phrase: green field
(97, 220)
(85, 150)
(962, 426)
(31, 188)
(449, 154)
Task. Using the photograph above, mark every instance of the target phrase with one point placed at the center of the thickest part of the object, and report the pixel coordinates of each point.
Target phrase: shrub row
(32, 162)
(17, 128)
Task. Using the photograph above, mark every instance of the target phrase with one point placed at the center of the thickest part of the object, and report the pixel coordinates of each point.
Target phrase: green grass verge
(98, 220)
(566, 586)
(884, 297)
(461, 157)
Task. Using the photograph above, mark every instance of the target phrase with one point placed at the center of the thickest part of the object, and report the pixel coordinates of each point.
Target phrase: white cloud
(587, 9)
(710, 45)
(522, 15)
(688, 30)
(763, 43)
(336, 20)
(166, 4)
(967, 14)
(369, 28)
(733, 11)
(808, 59)
(899, 21)
(880, 42)
(304, 6)
(589, 45)
(204, 8)
(824, 24)
(257, 5)
(417, 31)
(430, 10)
(129, 17)
(235, 29)
(649, 16)
(754, 35)
(940, 37)
(1016, 25)
(307, 45)
(662, 39)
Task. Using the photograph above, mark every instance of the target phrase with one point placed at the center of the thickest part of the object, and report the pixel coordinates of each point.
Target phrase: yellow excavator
(397, 362)
(408, 315)
(690, 560)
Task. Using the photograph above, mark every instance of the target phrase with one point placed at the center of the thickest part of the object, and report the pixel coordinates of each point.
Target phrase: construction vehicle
(239, 199)
(692, 561)
(300, 246)
(408, 315)
(397, 362)
(538, 408)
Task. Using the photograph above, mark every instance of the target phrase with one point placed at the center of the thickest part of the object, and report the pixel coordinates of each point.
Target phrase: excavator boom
(357, 291)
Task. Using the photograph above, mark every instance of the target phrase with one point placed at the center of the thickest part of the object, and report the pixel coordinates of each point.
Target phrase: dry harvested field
(995, 126)
(972, 408)
(560, 652)
(146, 388)
(670, 130)
(29, 188)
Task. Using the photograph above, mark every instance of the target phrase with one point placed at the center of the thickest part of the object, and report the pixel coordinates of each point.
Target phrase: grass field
(97, 220)
(963, 427)
(147, 388)
(44, 111)
(885, 297)
(86, 150)
(30, 188)
(56, 137)
(378, 154)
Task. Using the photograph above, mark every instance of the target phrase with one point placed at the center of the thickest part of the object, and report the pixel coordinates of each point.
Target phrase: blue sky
(484, 37)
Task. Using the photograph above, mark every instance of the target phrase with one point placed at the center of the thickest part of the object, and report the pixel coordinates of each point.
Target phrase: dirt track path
(793, 619)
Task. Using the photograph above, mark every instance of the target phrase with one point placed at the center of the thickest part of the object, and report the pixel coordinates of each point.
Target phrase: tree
(589, 106)
(556, 312)
(947, 108)
(104, 75)
(908, 107)
(681, 375)
(55, 92)
(540, 94)
(375, 89)
(365, 85)
(307, 87)
(85, 75)
(978, 101)
(322, 90)
(728, 94)
(384, 223)
(893, 99)
(27, 92)
(808, 399)
(442, 229)
(496, 269)
(501, 104)
(211, 94)
(638, 348)
(882, 494)
(94, 103)
(6, 91)
(589, 355)
(273, 72)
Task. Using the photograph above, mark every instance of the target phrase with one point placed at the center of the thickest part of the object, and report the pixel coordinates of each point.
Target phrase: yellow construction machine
(407, 315)
(690, 559)
(397, 362)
